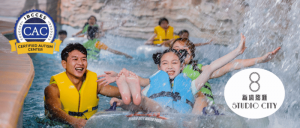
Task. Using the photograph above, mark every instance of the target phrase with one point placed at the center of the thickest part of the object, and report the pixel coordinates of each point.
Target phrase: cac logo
(35, 25)
(35, 32)
(254, 93)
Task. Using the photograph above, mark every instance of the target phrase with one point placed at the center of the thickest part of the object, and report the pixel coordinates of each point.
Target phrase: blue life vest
(180, 97)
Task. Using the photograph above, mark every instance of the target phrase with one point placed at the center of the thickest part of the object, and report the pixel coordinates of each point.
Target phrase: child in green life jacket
(94, 46)
(92, 20)
(193, 69)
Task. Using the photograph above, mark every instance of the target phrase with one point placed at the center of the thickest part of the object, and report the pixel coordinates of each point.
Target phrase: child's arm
(119, 53)
(167, 43)
(209, 69)
(200, 103)
(101, 45)
(242, 63)
(77, 33)
(200, 44)
(150, 40)
(144, 81)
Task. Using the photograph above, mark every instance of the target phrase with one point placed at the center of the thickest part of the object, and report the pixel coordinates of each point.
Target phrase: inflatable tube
(125, 119)
(117, 118)
(148, 50)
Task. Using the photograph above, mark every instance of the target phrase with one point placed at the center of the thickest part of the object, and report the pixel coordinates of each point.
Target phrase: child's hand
(119, 102)
(108, 77)
(241, 48)
(270, 55)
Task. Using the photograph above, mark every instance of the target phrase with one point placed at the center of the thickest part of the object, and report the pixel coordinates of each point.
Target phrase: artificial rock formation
(209, 19)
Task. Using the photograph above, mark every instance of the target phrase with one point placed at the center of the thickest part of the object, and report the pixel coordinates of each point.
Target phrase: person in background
(92, 20)
(62, 35)
(185, 34)
(94, 45)
(163, 34)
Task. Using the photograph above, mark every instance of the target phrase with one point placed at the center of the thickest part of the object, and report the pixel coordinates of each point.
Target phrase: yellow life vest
(162, 35)
(176, 36)
(80, 105)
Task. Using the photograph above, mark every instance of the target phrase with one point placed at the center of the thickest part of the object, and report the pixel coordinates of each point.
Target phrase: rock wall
(14, 8)
(209, 19)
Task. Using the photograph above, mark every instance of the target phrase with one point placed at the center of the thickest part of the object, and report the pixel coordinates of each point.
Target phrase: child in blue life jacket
(169, 89)
(193, 69)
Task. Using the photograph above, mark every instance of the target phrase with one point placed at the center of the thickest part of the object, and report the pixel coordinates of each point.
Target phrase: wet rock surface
(209, 19)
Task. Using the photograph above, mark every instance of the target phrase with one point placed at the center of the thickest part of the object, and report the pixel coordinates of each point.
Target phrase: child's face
(62, 37)
(164, 24)
(178, 45)
(184, 35)
(92, 20)
(170, 63)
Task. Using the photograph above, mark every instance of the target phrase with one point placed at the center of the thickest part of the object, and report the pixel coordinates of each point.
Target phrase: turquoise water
(266, 25)
(260, 40)
(46, 65)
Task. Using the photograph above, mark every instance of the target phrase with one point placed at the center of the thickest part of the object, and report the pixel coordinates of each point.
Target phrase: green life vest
(193, 74)
(92, 51)
(86, 28)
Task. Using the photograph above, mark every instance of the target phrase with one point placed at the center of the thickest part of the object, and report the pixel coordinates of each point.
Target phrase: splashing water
(270, 24)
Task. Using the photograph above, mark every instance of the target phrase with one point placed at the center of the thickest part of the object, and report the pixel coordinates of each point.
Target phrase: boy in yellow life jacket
(71, 96)
(163, 34)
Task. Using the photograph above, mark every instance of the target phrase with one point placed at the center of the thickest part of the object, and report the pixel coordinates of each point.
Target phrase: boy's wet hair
(162, 19)
(71, 47)
(181, 55)
(183, 31)
(62, 32)
(188, 43)
(92, 30)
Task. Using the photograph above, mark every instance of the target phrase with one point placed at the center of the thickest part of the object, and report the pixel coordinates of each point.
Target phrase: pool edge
(17, 74)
